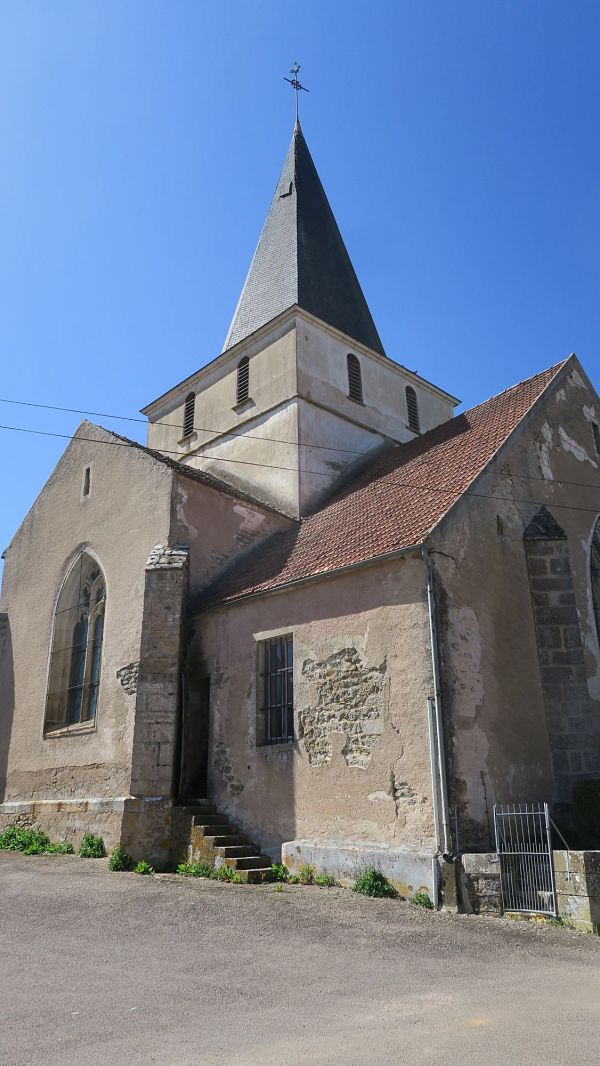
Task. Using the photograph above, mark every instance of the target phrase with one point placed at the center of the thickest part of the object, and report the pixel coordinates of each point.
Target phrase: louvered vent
(412, 408)
(243, 379)
(188, 415)
(354, 379)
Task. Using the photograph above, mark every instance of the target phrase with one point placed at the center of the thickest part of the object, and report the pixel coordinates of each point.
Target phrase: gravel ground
(102, 968)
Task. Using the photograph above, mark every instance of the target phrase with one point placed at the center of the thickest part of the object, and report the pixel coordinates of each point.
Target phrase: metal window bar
(354, 379)
(278, 690)
(524, 846)
(188, 414)
(412, 409)
(243, 380)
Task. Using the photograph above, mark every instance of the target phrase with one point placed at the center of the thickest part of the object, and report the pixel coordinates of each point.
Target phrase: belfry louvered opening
(412, 409)
(354, 379)
(243, 379)
(188, 414)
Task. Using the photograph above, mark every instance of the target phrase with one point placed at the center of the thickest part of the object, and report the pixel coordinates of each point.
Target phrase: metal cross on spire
(294, 81)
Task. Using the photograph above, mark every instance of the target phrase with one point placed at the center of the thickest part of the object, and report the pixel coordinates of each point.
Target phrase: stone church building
(318, 605)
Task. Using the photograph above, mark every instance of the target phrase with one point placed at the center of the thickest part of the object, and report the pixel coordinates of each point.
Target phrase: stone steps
(213, 838)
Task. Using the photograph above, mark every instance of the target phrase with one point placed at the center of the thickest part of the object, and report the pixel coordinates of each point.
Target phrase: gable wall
(218, 528)
(495, 705)
(125, 515)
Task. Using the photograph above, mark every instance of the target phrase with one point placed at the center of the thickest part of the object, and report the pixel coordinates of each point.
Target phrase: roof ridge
(554, 369)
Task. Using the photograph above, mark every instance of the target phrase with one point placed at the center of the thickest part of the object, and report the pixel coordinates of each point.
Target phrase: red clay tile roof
(393, 504)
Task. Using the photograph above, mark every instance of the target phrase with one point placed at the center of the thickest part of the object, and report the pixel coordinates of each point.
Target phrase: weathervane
(295, 83)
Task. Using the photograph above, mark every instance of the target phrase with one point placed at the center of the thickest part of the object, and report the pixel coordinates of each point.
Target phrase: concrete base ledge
(409, 869)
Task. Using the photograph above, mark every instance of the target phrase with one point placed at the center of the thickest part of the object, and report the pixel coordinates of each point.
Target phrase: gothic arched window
(412, 409)
(595, 574)
(243, 380)
(354, 379)
(188, 414)
(74, 674)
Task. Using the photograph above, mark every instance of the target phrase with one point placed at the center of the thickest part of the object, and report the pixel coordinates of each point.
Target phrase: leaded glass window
(75, 660)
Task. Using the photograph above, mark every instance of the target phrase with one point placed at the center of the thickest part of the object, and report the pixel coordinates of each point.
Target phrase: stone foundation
(68, 819)
(577, 875)
(408, 869)
(145, 828)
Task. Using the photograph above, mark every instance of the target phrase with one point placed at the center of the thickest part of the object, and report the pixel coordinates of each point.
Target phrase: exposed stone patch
(222, 762)
(350, 701)
(128, 676)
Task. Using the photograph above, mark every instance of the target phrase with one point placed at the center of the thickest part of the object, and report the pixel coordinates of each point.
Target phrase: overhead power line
(178, 425)
(229, 433)
(437, 489)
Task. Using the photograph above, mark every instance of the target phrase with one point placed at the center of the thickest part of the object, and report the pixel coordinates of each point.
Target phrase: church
(319, 614)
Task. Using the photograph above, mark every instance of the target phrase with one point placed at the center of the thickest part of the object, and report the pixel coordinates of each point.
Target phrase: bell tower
(302, 389)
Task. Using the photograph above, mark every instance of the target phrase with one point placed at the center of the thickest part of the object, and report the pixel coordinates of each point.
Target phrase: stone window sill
(79, 729)
(272, 749)
(184, 442)
(245, 405)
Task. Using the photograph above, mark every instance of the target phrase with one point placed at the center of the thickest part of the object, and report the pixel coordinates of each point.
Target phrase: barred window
(412, 409)
(243, 379)
(74, 675)
(277, 711)
(188, 414)
(354, 379)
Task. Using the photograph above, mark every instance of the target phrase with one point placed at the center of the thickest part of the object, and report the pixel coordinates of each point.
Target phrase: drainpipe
(434, 784)
(436, 705)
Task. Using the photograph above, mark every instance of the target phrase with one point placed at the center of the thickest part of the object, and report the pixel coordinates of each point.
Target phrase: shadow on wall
(7, 698)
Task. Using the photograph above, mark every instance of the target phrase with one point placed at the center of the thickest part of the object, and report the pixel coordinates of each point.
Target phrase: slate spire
(301, 259)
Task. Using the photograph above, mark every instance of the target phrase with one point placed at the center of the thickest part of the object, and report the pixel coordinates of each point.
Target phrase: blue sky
(140, 142)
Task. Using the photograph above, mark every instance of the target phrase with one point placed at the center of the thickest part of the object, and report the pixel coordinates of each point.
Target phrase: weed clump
(421, 899)
(324, 880)
(306, 874)
(373, 883)
(119, 860)
(226, 873)
(279, 871)
(31, 842)
(91, 847)
(143, 867)
(195, 869)
(62, 847)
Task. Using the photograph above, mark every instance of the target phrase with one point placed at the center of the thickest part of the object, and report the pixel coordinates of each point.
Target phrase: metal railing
(524, 846)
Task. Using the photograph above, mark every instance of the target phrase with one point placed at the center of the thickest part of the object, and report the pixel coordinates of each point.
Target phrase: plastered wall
(127, 511)
(494, 704)
(359, 765)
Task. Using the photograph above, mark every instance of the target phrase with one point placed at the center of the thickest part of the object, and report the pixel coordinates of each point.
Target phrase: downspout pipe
(437, 709)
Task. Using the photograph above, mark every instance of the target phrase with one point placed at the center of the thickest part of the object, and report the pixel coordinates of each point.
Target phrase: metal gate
(524, 846)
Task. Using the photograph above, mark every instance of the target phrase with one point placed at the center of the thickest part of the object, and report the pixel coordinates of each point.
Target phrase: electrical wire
(230, 433)
(319, 473)
(177, 425)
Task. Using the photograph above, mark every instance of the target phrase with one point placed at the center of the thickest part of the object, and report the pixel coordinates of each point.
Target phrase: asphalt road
(103, 968)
